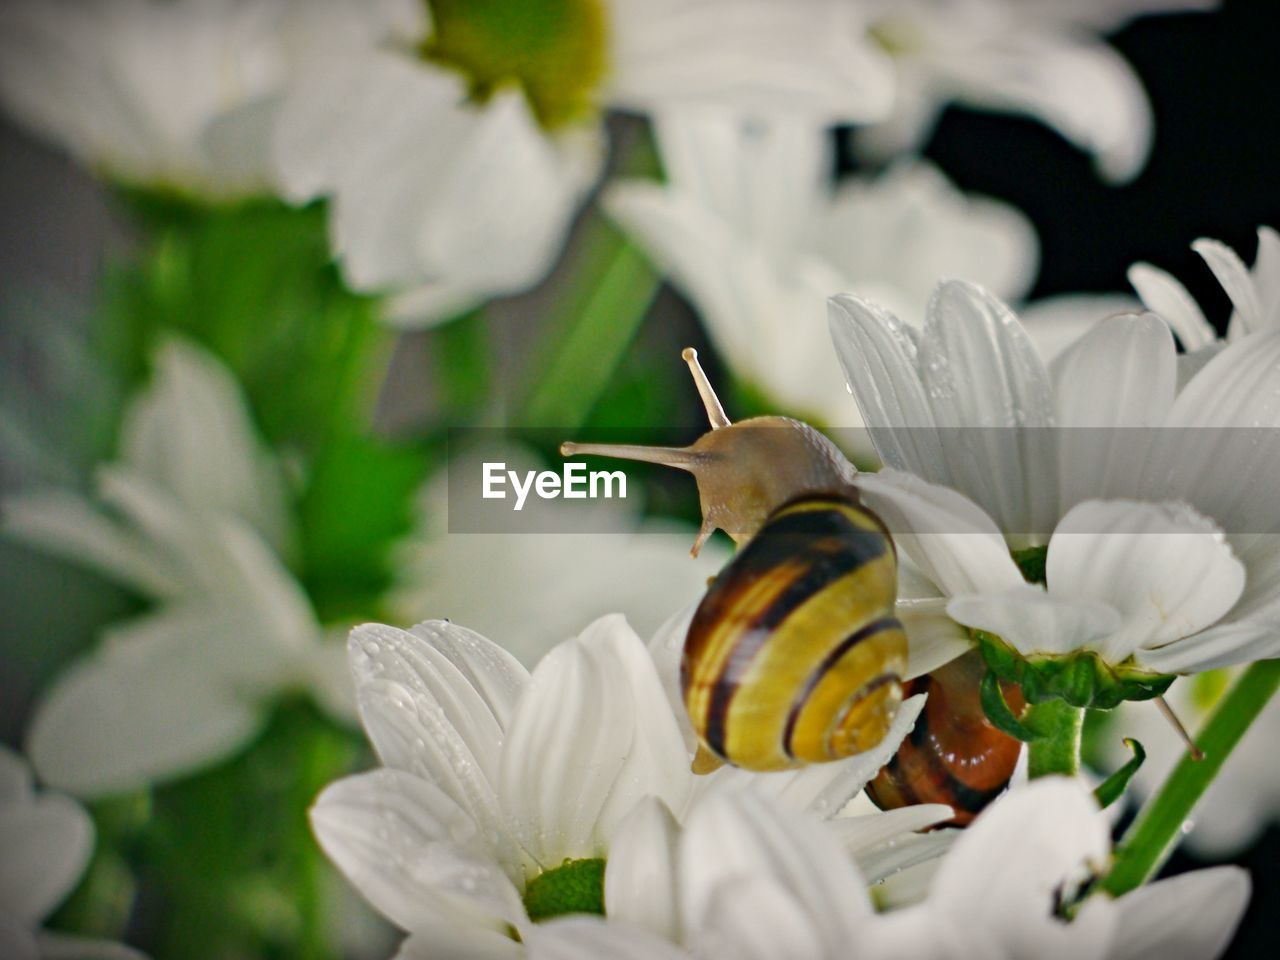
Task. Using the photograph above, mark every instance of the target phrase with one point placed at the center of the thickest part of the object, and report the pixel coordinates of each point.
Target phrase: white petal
(135, 713)
(1055, 323)
(952, 540)
(1167, 570)
(1162, 294)
(189, 432)
(583, 938)
(878, 355)
(68, 526)
(436, 702)
(47, 843)
(17, 942)
(751, 56)
(869, 834)
(1077, 85)
(1220, 646)
(666, 647)
(593, 733)
(991, 397)
(640, 881)
(15, 778)
(413, 853)
(743, 835)
(1005, 870)
(460, 943)
(1226, 472)
(757, 918)
(933, 638)
(1113, 387)
(60, 946)
(1035, 621)
(1266, 274)
(904, 870)
(1234, 277)
(1188, 916)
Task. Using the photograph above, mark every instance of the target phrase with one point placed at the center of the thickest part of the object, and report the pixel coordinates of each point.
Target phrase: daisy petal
(1193, 915)
(583, 938)
(639, 880)
(878, 354)
(16, 785)
(933, 638)
(594, 725)
(1234, 277)
(1036, 622)
(744, 835)
(1166, 569)
(416, 856)
(47, 842)
(991, 397)
(757, 918)
(134, 713)
(1112, 387)
(16, 941)
(1163, 295)
(949, 537)
(1220, 646)
(60, 946)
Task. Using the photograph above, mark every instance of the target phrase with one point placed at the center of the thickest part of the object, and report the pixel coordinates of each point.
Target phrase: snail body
(954, 754)
(794, 655)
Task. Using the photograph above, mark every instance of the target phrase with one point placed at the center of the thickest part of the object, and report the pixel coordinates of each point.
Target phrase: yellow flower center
(554, 51)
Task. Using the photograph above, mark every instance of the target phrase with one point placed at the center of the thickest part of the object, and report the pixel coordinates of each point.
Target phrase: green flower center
(554, 51)
(576, 886)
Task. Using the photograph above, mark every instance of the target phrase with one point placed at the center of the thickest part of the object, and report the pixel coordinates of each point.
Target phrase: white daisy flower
(1254, 293)
(169, 94)
(1042, 58)
(596, 557)
(504, 793)
(456, 156)
(1243, 799)
(47, 840)
(746, 881)
(193, 516)
(967, 404)
(752, 230)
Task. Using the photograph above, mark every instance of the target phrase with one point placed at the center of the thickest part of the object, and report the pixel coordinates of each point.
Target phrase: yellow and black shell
(794, 655)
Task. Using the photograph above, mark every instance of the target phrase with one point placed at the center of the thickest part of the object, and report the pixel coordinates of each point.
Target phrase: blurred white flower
(456, 154)
(170, 94)
(751, 883)
(500, 787)
(1243, 799)
(192, 516)
(47, 840)
(595, 557)
(1255, 294)
(1136, 491)
(751, 228)
(1043, 58)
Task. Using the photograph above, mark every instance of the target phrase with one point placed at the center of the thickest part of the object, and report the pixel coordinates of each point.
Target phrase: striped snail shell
(794, 655)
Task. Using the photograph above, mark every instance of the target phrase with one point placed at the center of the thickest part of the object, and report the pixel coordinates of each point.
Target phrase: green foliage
(254, 283)
(358, 501)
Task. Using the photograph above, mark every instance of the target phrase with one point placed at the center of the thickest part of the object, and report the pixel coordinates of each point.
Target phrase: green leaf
(358, 502)
(998, 710)
(1112, 788)
(254, 283)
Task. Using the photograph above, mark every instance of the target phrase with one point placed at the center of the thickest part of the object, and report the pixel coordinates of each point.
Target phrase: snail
(954, 754)
(794, 655)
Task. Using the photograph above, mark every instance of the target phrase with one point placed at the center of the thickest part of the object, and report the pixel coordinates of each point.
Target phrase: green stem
(1056, 749)
(1151, 838)
(609, 295)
